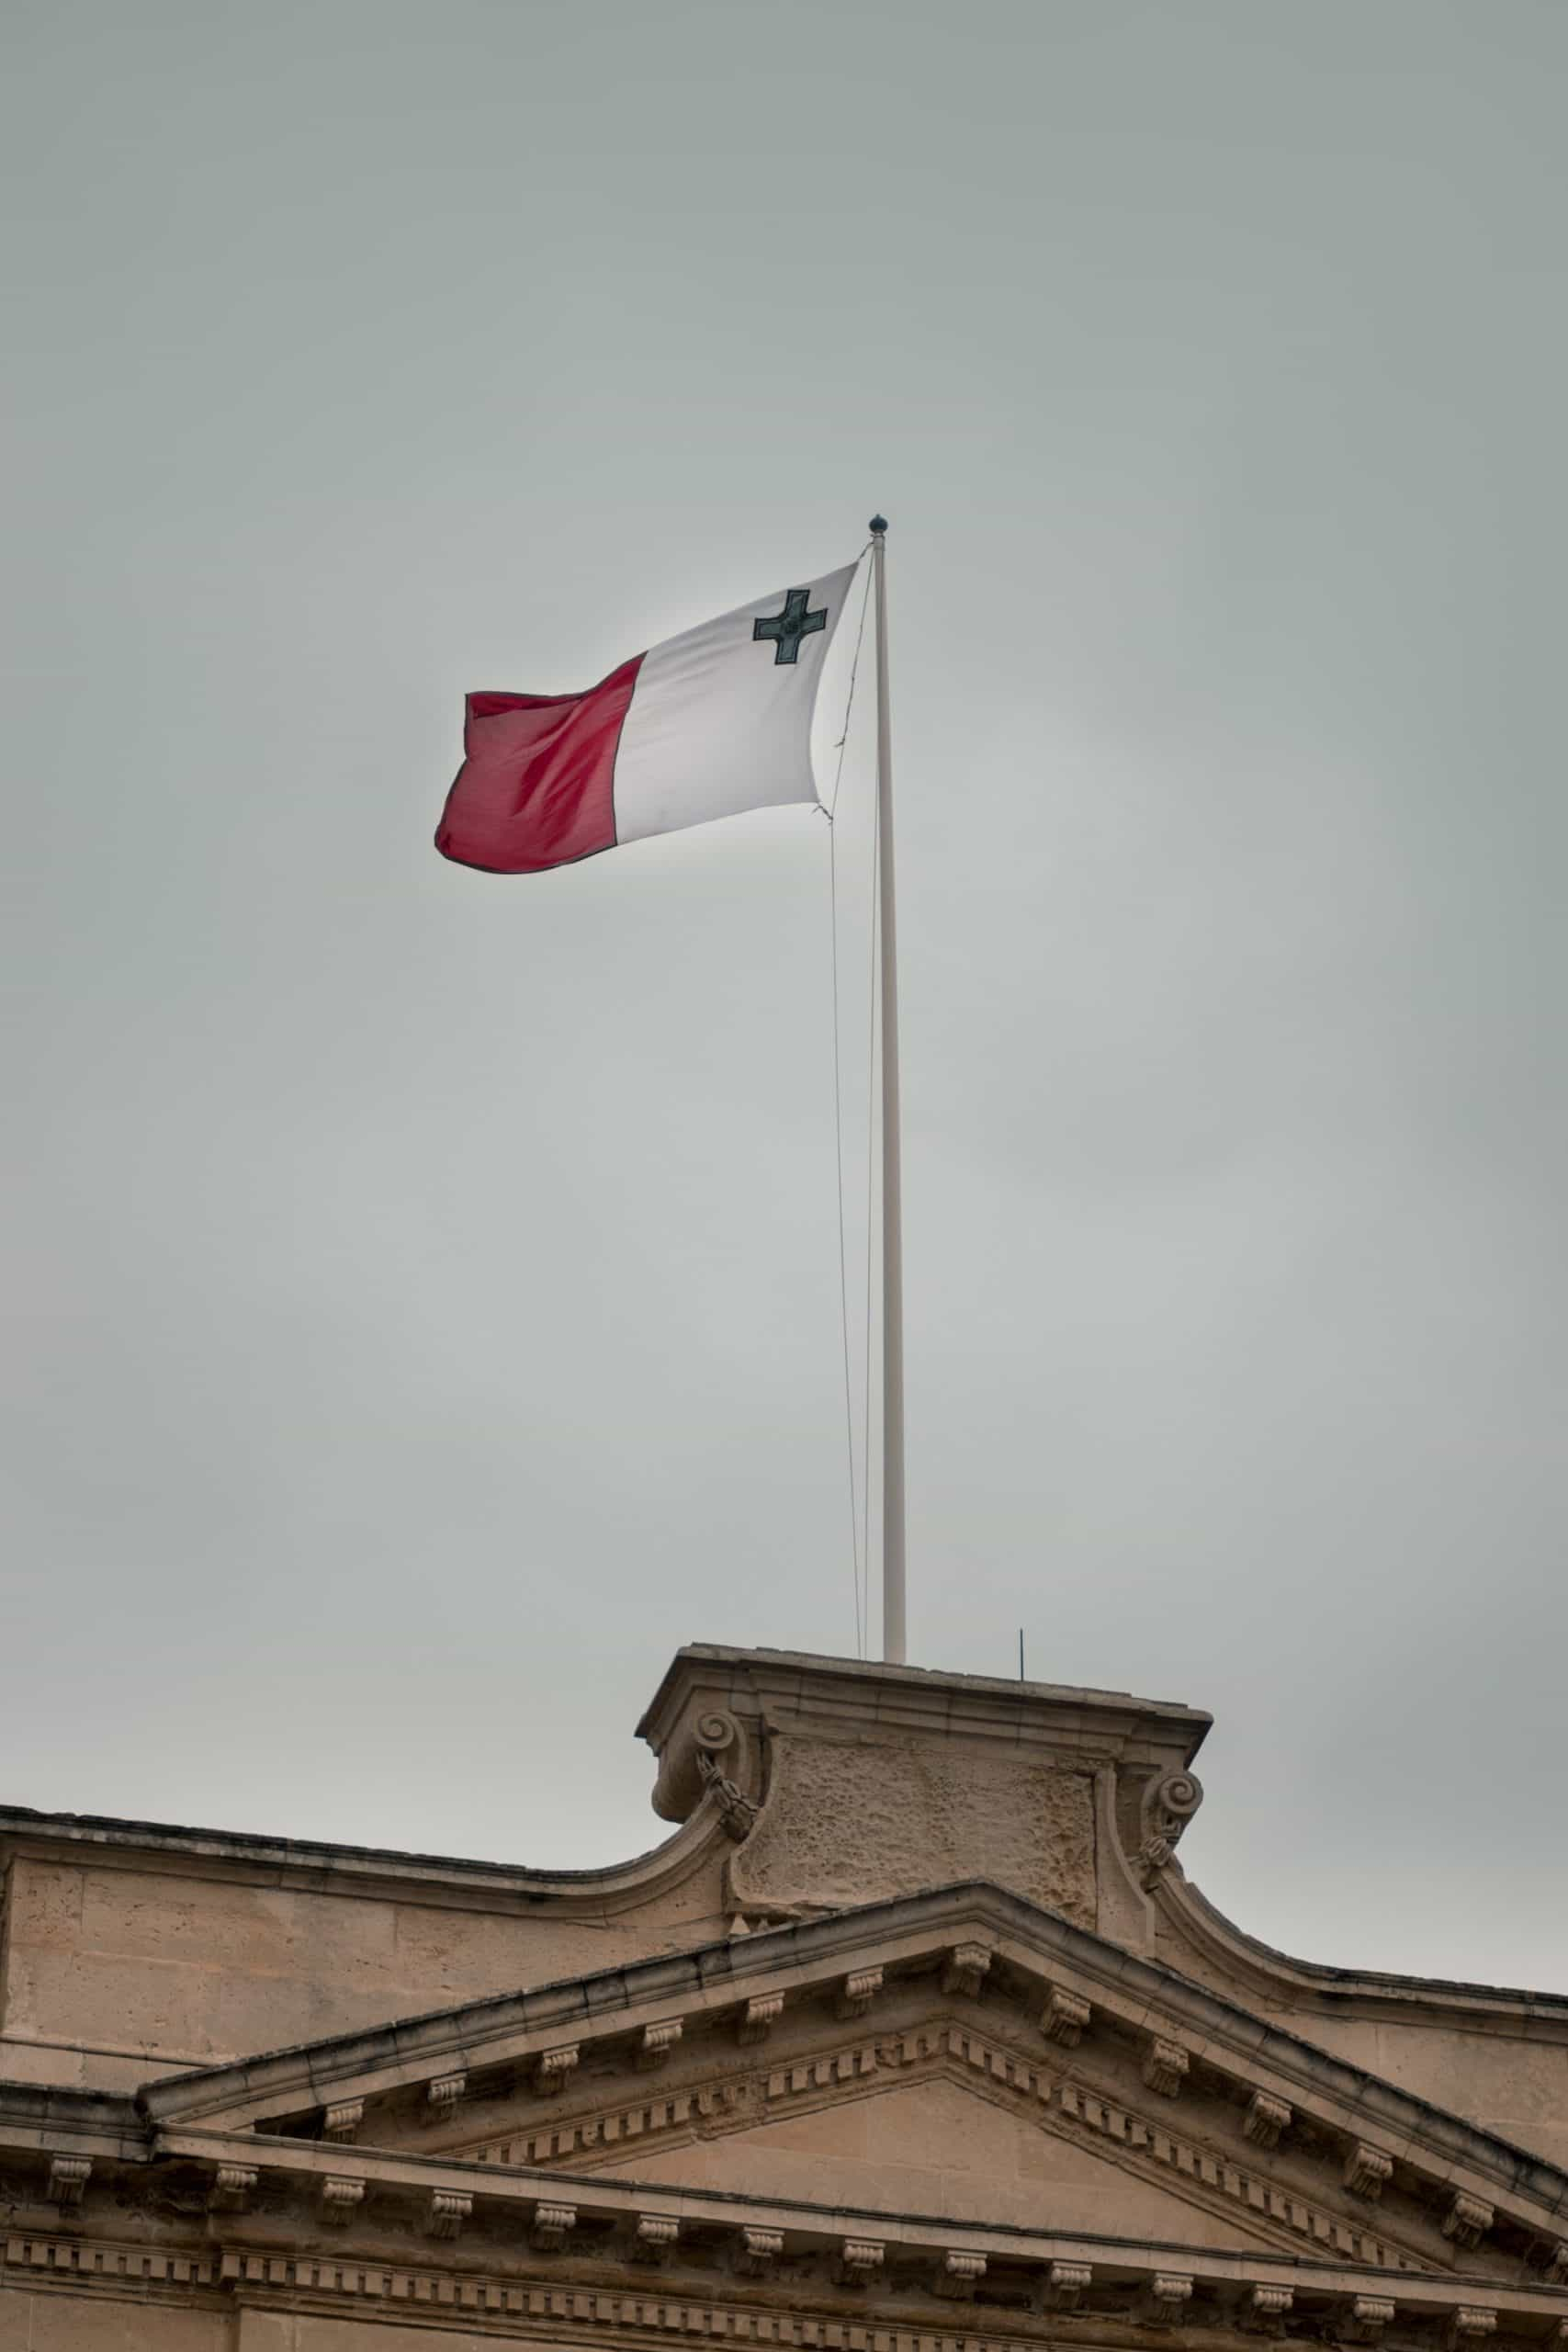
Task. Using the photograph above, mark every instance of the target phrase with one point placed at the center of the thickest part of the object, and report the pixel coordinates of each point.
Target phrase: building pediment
(968, 2012)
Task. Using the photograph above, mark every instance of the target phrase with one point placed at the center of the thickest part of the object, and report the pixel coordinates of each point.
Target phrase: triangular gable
(941, 2145)
(1202, 2110)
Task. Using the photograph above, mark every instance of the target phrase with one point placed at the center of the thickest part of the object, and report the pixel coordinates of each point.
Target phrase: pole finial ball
(878, 524)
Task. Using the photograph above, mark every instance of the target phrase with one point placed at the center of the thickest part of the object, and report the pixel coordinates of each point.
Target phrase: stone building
(913, 2036)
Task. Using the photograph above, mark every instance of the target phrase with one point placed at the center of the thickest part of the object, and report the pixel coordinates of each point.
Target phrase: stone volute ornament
(709, 1757)
(1168, 1805)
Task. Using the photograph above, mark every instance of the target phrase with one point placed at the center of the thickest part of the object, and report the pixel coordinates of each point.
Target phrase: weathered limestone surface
(934, 2147)
(114, 1968)
(56, 2323)
(848, 1822)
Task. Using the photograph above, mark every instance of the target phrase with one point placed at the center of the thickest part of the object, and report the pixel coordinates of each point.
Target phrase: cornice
(1349, 1992)
(1065, 1979)
(290, 2222)
(314, 1866)
(795, 1694)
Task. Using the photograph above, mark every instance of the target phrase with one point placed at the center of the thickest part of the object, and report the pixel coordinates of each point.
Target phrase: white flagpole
(893, 1638)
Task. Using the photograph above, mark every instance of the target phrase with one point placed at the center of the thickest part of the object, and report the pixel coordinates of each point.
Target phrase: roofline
(917, 1680)
(603, 1998)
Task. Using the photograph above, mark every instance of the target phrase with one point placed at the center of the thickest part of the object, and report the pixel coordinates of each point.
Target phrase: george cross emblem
(785, 630)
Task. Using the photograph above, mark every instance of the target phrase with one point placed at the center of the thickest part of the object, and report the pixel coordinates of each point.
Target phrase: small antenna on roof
(1020, 1653)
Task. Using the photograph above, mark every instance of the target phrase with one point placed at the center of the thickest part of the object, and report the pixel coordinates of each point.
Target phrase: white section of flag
(717, 724)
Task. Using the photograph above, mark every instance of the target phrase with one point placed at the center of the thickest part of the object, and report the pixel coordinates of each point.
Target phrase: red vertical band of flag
(536, 786)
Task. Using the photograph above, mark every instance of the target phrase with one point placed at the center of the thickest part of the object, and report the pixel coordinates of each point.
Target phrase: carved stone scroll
(343, 2120)
(1168, 1805)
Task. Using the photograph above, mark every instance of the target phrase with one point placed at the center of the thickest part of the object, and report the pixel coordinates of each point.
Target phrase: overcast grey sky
(425, 1285)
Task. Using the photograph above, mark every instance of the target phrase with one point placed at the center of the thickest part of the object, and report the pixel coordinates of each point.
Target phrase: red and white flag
(706, 725)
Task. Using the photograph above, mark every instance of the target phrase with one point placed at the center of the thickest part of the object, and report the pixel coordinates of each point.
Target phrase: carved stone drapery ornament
(737, 1811)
